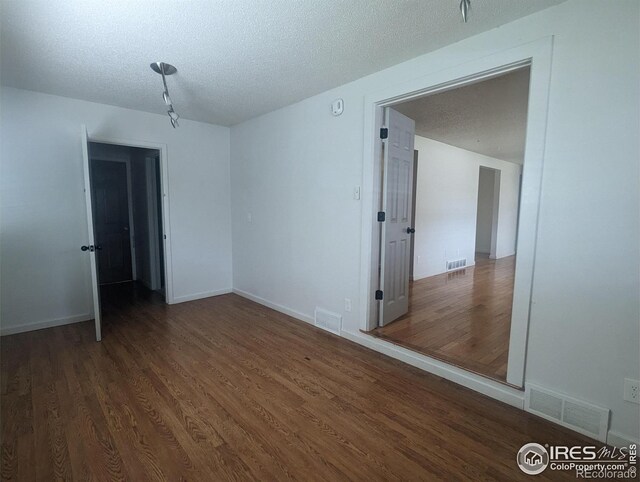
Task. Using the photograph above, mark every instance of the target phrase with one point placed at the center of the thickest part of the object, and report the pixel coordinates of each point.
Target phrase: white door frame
(537, 54)
(132, 236)
(164, 181)
(152, 220)
(91, 240)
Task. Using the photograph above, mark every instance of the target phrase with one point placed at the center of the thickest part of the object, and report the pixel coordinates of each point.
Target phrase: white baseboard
(486, 386)
(39, 325)
(617, 439)
(199, 296)
(419, 276)
(274, 306)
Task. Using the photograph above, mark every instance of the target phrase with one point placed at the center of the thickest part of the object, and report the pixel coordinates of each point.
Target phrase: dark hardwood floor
(225, 389)
(462, 318)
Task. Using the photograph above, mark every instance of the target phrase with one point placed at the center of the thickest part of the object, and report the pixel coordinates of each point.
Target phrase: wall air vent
(456, 264)
(575, 414)
(328, 320)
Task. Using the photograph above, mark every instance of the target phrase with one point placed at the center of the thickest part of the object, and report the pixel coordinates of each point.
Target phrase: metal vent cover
(327, 320)
(583, 417)
(456, 264)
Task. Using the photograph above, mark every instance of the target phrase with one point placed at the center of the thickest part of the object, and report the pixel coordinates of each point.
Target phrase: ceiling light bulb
(465, 5)
(166, 69)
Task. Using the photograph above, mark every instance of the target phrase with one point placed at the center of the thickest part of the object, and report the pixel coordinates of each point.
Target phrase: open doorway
(487, 212)
(457, 210)
(127, 221)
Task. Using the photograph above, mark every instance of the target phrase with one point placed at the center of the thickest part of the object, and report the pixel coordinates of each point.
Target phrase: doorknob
(410, 230)
(91, 248)
(84, 248)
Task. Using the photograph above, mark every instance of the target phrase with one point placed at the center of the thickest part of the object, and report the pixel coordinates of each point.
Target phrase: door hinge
(384, 133)
(379, 294)
(381, 216)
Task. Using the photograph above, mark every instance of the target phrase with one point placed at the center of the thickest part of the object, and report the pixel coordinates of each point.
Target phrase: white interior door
(397, 193)
(91, 247)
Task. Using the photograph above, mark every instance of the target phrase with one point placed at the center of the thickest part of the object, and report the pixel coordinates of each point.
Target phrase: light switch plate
(337, 107)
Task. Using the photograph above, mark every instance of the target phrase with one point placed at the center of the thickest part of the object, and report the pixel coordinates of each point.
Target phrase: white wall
(508, 204)
(45, 276)
(295, 169)
(447, 205)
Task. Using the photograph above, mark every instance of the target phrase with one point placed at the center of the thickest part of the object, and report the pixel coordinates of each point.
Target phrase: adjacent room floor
(462, 318)
(223, 388)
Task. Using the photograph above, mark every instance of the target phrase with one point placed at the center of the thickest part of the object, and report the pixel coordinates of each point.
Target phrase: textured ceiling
(236, 59)
(489, 117)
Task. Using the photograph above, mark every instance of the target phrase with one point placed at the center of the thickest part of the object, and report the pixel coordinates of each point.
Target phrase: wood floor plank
(462, 318)
(225, 389)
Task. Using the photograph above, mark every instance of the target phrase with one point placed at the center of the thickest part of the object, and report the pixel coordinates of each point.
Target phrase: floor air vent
(456, 264)
(575, 414)
(328, 321)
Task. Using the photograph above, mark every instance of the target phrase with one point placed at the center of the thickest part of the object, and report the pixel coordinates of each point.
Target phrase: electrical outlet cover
(632, 390)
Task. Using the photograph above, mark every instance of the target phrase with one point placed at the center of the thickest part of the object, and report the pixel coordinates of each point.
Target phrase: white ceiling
(489, 117)
(236, 59)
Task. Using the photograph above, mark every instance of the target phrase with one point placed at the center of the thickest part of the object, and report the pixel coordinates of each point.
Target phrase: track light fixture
(167, 69)
(465, 5)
